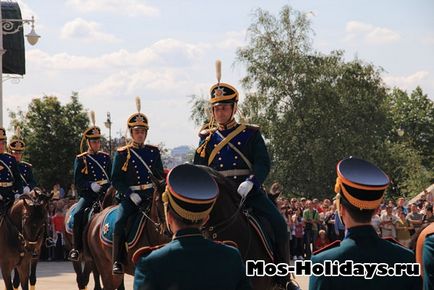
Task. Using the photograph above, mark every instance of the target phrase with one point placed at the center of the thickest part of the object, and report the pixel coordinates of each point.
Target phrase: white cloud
(166, 52)
(125, 7)
(369, 33)
(85, 30)
(408, 82)
(233, 39)
(428, 40)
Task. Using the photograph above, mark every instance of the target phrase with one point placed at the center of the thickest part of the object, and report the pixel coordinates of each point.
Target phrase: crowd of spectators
(313, 223)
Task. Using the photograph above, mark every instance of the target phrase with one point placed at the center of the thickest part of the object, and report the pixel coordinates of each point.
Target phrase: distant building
(178, 155)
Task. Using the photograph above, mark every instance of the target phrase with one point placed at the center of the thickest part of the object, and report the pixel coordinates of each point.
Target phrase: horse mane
(226, 186)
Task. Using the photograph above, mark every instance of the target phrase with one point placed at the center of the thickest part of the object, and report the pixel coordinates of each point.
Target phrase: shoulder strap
(143, 161)
(419, 244)
(233, 147)
(9, 169)
(224, 142)
(99, 165)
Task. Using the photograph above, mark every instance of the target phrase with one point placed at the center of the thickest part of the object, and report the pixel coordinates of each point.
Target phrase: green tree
(52, 133)
(314, 109)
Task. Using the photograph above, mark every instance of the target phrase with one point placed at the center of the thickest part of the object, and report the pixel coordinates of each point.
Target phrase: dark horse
(85, 265)
(228, 221)
(102, 254)
(22, 231)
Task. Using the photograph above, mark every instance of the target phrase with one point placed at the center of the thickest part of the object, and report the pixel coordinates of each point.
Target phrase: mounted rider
(238, 152)
(135, 167)
(91, 178)
(16, 148)
(10, 179)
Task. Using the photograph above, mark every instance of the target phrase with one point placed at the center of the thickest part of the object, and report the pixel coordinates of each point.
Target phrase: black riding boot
(118, 245)
(78, 241)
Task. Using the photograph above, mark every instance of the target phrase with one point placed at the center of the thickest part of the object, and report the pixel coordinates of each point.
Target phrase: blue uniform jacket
(10, 179)
(363, 245)
(249, 142)
(26, 172)
(191, 262)
(86, 171)
(132, 172)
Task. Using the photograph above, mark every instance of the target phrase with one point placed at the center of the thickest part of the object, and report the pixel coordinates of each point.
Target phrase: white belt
(235, 172)
(142, 186)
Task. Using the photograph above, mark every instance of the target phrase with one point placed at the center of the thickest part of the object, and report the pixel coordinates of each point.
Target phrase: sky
(164, 51)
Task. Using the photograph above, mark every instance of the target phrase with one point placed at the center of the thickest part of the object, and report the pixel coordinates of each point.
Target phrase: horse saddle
(88, 213)
(69, 222)
(263, 229)
(135, 226)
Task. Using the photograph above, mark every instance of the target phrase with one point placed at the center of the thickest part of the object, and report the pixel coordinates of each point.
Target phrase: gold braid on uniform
(212, 128)
(85, 169)
(125, 166)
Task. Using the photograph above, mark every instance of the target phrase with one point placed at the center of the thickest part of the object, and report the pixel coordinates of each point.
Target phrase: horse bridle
(212, 229)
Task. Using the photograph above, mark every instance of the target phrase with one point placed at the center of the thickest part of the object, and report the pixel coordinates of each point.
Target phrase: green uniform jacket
(363, 245)
(191, 262)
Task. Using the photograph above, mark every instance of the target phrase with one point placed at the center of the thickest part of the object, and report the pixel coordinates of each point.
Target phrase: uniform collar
(229, 125)
(187, 232)
(365, 230)
(137, 145)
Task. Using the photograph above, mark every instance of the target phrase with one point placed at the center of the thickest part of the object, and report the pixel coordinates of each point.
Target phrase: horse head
(34, 219)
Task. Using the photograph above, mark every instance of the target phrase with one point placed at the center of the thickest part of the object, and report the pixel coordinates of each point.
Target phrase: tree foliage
(315, 109)
(52, 133)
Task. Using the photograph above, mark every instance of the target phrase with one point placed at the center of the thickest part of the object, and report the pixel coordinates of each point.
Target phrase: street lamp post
(11, 26)
(108, 125)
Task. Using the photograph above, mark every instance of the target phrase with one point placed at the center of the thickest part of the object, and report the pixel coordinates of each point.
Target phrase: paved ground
(61, 276)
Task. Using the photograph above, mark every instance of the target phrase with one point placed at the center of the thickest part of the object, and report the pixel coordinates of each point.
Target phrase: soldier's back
(363, 245)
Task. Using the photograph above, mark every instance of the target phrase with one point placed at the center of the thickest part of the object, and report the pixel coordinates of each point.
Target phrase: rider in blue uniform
(189, 261)
(16, 148)
(135, 167)
(238, 152)
(91, 178)
(10, 179)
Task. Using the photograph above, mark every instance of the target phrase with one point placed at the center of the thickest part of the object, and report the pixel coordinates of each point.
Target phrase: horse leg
(32, 278)
(79, 274)
(6, 274)
(96, 277)
(122, 286)
(86, 274)
(16, 279)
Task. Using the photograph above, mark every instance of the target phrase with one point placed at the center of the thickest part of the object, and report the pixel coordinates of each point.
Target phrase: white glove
(95, 187)
(135, 198)
(244, 188)
(1, 197)
(17, 196)
(26, 190)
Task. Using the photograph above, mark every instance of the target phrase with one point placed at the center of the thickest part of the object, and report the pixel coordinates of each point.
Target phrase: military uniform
(10, 179)
(92, 180)
(189, 261)
(425, 256)
(135, 167)
(26, 171)
(238, 152)
(361, 185)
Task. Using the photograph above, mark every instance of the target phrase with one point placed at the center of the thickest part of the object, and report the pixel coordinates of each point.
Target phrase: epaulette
(27, 163)
(252, 127)
(154, 147)
(227, 243)
(123, 148)
(105, 153)
(393, 241)
(143, 251)
(332, 245)
(204, 133)
(82, 154)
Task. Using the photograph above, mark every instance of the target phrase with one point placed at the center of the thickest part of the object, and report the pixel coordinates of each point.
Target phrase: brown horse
(85, 265)
(41, 198)
(228, 221)
(22, 231)
(102, 254)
